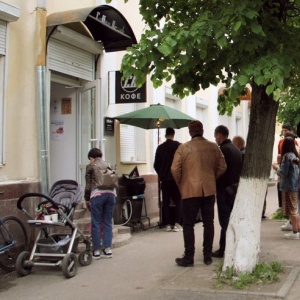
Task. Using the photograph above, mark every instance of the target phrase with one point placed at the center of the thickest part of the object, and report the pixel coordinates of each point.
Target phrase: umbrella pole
(157, 133)
(158, 184)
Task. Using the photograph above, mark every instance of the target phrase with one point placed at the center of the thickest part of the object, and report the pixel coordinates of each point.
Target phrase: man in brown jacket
(196, 166)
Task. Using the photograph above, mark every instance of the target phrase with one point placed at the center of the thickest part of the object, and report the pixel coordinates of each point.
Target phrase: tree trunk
(243, 233)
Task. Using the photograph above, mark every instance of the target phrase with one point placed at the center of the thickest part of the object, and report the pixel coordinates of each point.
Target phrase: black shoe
(207, 260)
(184, 262)
(218, 253)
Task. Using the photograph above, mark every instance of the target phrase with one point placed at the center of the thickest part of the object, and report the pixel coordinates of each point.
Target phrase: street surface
(145, 269)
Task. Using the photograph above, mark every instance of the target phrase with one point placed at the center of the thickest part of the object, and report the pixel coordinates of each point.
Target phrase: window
(201, 110)
(174, 102)
(238, 125)
(3, 26)
(132, 139)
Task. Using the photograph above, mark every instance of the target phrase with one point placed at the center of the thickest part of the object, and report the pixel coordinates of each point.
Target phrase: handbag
(108, 179)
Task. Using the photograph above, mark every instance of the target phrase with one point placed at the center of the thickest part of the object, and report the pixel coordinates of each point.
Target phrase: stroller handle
(28, 195)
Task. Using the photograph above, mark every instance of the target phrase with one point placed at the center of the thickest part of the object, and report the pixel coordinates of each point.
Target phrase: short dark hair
(223, 130)
(94, 152)
(170, 131)
(288, 145)
(287, 126)
(195, 128)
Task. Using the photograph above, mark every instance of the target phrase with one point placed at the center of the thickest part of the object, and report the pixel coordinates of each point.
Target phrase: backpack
(108, 179)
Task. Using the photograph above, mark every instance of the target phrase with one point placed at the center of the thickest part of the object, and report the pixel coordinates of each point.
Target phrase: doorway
(73, 131)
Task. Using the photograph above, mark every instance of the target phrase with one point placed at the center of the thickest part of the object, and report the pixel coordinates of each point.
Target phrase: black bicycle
(13, 240)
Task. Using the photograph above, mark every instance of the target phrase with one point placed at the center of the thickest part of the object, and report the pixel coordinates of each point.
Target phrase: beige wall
(21, 153)
(21, 117)
(59, 5)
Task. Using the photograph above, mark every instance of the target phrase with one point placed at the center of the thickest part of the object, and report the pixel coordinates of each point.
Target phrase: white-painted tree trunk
(243, 232)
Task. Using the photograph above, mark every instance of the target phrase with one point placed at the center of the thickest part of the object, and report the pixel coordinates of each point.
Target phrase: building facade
(58, 64)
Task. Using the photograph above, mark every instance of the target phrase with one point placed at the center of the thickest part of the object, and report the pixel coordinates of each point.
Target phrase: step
(81, 213)
(121, 237)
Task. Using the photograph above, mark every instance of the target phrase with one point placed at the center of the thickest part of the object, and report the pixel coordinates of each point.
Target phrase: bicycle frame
(7, 243)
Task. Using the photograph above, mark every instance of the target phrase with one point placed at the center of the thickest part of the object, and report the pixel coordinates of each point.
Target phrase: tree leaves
(256, 28)
(242, 80)
(237, 25)
(199, 43)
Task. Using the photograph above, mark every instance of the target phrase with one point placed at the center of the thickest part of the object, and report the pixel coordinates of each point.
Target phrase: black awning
(104, 24)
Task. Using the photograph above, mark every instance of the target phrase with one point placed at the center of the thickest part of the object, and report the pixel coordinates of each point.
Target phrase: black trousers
(279, 196)
(171, 214)
(224, 210)
(190, 209)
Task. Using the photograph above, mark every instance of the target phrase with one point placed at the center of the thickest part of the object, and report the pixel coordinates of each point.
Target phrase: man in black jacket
(171, 205)
(225, 199)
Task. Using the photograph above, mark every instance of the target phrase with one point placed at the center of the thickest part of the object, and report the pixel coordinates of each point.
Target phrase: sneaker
(287, 226)
(168, 228)
(106, 253)
(177, 227)
(96, 254)
(292, 236)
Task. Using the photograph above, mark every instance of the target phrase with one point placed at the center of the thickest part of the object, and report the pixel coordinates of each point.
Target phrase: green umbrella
(156, 116)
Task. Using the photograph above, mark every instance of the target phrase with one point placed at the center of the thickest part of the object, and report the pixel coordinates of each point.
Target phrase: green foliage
(289, 107)
(263, 273)
(201, 43)
(278, 215)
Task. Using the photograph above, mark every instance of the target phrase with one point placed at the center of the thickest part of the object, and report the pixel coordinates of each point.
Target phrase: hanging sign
(109, 128)
(126, 90)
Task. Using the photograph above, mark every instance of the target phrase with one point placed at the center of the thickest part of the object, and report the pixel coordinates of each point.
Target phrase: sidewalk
(145, 269)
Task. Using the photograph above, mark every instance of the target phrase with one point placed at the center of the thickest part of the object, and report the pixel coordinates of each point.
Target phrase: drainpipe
(42, 107)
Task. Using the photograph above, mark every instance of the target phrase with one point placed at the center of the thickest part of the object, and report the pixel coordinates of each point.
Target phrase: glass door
(88, 133)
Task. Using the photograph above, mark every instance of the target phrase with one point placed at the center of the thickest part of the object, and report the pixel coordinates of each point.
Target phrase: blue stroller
(58, 236)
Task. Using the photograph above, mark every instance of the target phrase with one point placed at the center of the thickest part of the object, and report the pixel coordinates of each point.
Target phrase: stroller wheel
(69, 265)
(23, 266)
(85, 258)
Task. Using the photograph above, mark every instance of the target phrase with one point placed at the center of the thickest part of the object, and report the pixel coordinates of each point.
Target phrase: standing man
(171, 206)
(196, 166)
(239, 142)
(225, 200)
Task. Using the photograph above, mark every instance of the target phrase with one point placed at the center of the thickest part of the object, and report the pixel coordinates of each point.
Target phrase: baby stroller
(55, 214)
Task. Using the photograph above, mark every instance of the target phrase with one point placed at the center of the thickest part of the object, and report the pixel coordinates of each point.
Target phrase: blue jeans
(102, 208)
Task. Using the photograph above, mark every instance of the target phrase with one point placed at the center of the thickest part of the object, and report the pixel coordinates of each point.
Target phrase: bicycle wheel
(12, 229)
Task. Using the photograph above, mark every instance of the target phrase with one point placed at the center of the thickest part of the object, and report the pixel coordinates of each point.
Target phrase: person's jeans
(224, 211)
(190, 209)
(102, 208)
(170, 192)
